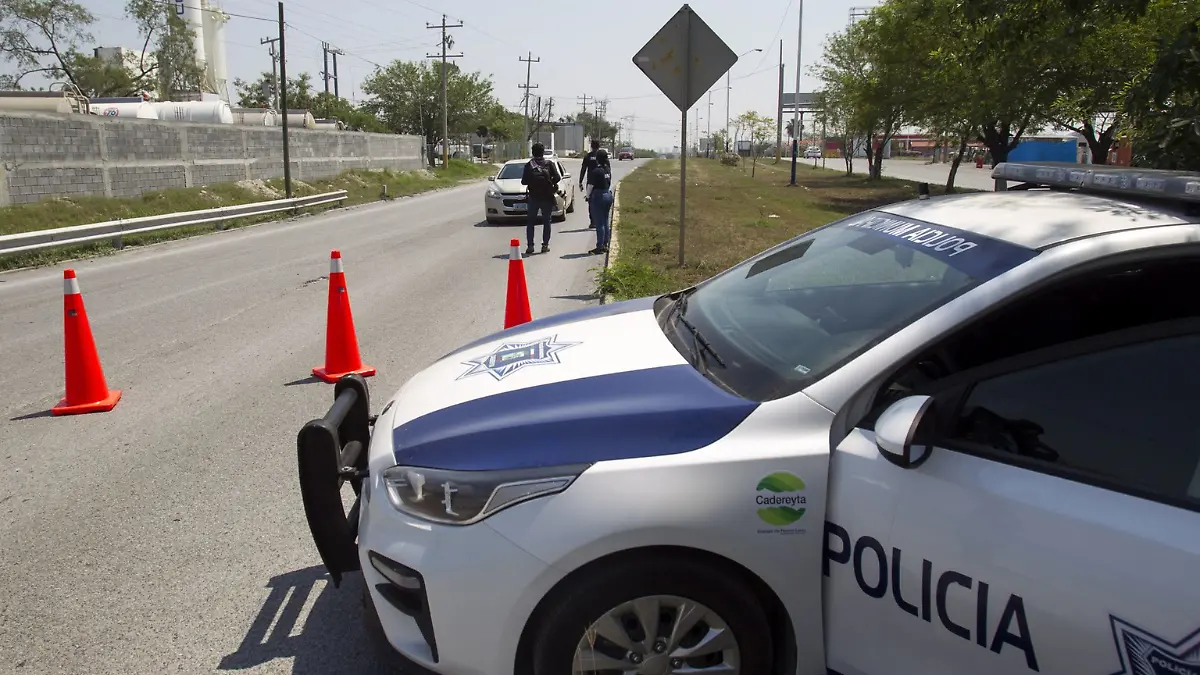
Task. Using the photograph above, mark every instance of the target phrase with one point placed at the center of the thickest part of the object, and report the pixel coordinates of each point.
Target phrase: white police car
(948, 436)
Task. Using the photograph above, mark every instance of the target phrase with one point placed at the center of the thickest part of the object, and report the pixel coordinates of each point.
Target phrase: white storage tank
(43, 101)
(335, 125)
(140, 110)
(301, 118)
(255, 117)
(208, 112)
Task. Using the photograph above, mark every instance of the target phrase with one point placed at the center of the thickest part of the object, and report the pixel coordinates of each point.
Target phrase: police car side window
(1120, 416)
(1097, 302)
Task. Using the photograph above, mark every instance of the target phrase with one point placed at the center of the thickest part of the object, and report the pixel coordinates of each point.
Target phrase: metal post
(335, 73)
(728, 87)
(687, 96)
(287, 160)
(796, 102)
(779, 110)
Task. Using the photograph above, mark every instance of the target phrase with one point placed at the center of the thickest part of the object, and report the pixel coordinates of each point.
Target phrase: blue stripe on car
(623, 307)
(641, 413)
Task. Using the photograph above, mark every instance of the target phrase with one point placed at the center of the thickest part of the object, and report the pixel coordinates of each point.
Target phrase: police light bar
(1177, 185)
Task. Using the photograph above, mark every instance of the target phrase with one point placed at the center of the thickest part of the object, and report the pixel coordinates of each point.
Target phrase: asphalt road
(167, 535)
(935, 174)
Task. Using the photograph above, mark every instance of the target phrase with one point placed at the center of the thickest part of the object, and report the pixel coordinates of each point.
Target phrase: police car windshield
(510, 171)
(791, 315)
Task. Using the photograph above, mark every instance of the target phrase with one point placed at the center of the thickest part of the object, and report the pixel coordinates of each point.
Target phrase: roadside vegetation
(731, 215)
(361, 186)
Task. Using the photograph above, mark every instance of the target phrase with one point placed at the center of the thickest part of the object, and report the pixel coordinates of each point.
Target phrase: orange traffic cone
(516, 308)
(341, 342)
(87, 392)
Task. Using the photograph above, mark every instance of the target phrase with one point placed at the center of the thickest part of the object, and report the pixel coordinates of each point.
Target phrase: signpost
(683, 59)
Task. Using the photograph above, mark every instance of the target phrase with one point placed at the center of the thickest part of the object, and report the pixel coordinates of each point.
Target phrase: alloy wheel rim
(658, 635)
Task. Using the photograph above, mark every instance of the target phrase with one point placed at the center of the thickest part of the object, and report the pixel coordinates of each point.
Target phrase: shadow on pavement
(31, 416)
(582, 229)
(332, 639)
(576, 256)
(584, 298)
(311, 379)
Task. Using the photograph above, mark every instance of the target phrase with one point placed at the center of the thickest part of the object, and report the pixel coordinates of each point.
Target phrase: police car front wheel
(653, 618)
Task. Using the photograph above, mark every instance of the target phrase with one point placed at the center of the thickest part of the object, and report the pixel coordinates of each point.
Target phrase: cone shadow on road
(331, 639)
(311, 379)
(32, 416)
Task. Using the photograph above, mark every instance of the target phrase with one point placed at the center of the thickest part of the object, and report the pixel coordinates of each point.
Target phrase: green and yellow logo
(786, 502)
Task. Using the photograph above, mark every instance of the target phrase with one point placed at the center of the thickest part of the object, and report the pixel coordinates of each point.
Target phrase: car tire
(609, 586)
(571, 206)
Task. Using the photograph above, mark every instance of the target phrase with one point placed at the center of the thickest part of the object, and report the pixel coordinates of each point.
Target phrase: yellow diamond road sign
(685, 58)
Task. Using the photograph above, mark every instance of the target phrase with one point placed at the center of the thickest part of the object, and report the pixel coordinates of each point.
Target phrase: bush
(731, 159)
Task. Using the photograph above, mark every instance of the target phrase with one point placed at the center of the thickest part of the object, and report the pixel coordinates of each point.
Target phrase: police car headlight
(465, 497)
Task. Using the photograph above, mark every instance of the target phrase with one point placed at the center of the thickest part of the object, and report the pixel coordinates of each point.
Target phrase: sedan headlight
(493, 193)
(464, 497)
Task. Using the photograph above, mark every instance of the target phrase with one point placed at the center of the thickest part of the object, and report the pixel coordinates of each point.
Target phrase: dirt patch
(259, 187)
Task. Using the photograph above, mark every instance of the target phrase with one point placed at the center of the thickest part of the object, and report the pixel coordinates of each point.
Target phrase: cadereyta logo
(1143, 653)
(780, 499)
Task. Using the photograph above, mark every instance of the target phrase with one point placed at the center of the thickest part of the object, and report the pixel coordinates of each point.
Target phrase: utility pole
(584, 101)
(273, 99)
(287, 159)
(336, 53)
(796, 102)
(528, 61)
(325, 65)
(779, 111)
(446, 41)
(708, 148)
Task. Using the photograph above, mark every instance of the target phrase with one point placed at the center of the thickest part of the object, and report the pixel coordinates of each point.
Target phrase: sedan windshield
(780, 321)
(511, 171)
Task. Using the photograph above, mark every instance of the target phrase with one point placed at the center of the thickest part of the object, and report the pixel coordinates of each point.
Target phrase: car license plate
(520, 206)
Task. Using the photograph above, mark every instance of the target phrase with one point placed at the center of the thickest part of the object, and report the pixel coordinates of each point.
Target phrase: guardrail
(116, 229)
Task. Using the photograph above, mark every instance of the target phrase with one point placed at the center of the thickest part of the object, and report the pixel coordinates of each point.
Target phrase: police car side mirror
(896, 431)
(566, 176)
(491, 178)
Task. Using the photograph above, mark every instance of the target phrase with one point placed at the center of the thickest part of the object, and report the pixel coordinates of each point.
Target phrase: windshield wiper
(680, 308)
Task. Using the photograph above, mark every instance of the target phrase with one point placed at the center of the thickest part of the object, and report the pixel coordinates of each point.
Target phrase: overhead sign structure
(683, 59)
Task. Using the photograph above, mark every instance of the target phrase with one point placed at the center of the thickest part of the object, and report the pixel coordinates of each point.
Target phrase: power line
(782, 20)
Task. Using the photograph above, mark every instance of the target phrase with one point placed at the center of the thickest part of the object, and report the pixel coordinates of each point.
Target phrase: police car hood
(596, 384)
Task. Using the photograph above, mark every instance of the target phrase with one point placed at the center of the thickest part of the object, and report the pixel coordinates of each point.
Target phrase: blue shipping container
(1044, 151)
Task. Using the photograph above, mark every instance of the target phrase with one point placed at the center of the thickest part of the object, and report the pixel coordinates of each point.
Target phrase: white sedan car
(934, 438)
(506, 197)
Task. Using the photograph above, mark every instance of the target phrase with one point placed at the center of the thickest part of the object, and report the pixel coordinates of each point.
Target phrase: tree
(41, 37)
(868, 81)
(1163, 104)
(175, 69)
(300, 93)
(406, 97)
(760, 129)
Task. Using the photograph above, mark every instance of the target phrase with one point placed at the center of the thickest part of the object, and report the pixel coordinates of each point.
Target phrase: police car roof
(1037, 218)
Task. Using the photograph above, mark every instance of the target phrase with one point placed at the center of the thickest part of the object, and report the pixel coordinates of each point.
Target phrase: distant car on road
(625, 153)
(812, 152)
(506, 198)
(937, 436)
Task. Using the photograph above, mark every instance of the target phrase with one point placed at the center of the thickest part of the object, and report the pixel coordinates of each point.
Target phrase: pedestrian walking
(589, 160)
(541, 177)
(601, 201)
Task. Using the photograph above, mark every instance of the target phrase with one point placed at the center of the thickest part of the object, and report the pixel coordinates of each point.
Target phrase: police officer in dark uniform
(589, 161)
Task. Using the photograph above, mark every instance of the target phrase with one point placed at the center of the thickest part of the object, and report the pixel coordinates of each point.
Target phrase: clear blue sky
(585, 47)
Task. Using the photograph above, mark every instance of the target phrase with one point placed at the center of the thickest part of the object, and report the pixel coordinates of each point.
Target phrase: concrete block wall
(46, 155)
